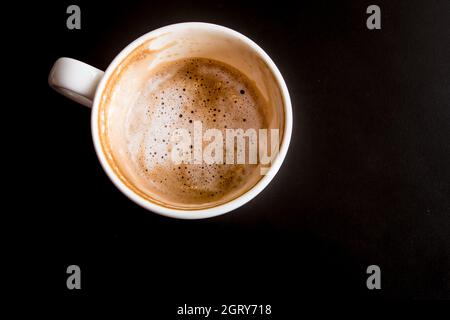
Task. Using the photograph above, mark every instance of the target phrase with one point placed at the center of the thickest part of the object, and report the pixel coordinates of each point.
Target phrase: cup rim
(222, 208)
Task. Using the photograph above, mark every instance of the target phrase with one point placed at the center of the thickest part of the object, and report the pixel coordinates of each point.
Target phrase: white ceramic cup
(85, 84)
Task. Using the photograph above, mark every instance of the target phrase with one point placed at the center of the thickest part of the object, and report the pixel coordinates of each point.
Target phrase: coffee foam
(146, 104)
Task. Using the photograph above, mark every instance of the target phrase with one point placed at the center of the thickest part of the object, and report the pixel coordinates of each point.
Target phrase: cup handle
(75, 80)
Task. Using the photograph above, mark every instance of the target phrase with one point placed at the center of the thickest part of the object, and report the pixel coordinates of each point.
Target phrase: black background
(366, 179)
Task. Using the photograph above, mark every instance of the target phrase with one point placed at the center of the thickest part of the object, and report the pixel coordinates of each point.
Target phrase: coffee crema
(142, 105)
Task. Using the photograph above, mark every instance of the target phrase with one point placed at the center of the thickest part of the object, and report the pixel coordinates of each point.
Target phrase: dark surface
(366, 180)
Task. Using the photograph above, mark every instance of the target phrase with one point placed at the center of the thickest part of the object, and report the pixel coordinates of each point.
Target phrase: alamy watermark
(235, 146)
(74, 279)
(74, 20)
(374, 280)
(373, 22)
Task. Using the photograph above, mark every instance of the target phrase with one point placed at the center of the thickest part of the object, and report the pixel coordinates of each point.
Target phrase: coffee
(143, 105)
